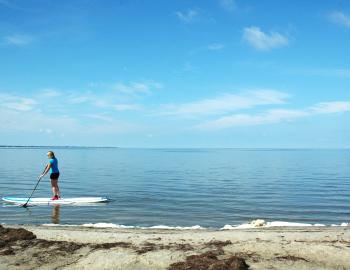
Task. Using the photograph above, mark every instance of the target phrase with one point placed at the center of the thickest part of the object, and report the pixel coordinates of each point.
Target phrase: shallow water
(182, 187)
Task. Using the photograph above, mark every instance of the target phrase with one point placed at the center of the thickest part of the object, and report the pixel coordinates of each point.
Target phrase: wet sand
(40, 247)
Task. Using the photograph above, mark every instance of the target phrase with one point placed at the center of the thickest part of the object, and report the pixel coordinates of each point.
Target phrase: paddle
(25, 205)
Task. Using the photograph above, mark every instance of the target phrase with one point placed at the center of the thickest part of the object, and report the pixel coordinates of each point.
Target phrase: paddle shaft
(24, 205)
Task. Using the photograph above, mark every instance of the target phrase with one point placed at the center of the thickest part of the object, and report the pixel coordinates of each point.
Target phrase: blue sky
(219, 73)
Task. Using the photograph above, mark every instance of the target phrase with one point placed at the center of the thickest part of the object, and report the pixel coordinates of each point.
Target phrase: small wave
(59, 225)
(107, 225)
(163, 227)
(252, 225)
(118, 226)
(160, 227)
(260, 223)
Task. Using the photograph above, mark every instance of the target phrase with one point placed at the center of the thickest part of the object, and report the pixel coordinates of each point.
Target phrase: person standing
(52, 166)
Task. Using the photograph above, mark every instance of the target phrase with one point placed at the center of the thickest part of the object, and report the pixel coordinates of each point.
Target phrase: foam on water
(270, 225)
(251, 225)
(161, 227)
(107, 225)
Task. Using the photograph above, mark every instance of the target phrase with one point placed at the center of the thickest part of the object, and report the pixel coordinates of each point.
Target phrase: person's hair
(51, 154)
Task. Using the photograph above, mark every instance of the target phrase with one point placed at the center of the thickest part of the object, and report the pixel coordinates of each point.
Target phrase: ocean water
(181, 187)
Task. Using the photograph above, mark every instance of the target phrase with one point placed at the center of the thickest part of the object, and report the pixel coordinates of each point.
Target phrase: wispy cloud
(106, 124)
(134, 88)
(55, 116)
(79, 98)
(57, 126)
(119, 96)
(226, 103)
(229, 5)
(216, 46)
(188, 16)
(49, 93)
(330, 107)
(274, 116)
(35, 121)
(107, 101)
(263, 41)
(339, 18)
(17, 103)
(18, 40)
(44, 110)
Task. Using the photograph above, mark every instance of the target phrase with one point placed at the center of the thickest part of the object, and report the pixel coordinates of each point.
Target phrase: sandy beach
(43, 247)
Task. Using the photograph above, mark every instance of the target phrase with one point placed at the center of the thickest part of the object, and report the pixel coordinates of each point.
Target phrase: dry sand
(39, 247)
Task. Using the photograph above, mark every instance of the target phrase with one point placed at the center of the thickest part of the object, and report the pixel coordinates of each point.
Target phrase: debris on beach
(210, 260)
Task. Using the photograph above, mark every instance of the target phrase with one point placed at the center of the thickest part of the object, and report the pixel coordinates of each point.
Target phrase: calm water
(207, 187)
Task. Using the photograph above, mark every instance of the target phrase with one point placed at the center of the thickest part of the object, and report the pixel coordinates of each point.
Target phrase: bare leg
(55, 188)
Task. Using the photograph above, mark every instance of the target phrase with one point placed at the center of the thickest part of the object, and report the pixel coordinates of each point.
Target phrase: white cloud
(49, 93)
(132, 88)
(108, 101)
(107, 124)
(274, 116)
(339, 18)
(226, 103)
(17, 103)
(229, 5)
(79, 99)
(215, 46)
(108, 96)
(331, 107)
(18, 40)
(189, 16)
(45, 110)
(21, 105)
(262, 41)
(46, 123)
(35, 121)
(137, 87)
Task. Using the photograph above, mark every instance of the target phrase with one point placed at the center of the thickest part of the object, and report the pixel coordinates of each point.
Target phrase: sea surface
(181, 187)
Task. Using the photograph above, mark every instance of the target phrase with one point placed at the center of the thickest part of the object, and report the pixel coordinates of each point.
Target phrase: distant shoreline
(170, 148)
(53, 146)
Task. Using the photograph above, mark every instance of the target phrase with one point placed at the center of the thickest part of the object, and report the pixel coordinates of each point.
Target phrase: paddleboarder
(52, 166)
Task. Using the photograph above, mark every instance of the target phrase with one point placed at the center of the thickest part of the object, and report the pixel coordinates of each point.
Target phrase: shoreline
(77, 247)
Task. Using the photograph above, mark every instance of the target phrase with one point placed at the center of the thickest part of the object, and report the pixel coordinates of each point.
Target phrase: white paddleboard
(36, 201)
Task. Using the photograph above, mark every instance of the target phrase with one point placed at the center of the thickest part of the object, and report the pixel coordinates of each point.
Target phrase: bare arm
(47, 168)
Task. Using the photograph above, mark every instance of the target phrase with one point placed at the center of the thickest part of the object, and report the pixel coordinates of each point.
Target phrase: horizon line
(236, 148)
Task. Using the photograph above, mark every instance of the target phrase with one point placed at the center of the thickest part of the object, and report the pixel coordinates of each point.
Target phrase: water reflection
(55, 215)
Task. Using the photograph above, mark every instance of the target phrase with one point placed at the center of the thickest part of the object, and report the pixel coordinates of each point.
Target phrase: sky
(154, 74)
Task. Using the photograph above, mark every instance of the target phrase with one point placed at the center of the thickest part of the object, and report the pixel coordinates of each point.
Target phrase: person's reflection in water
(55, 216)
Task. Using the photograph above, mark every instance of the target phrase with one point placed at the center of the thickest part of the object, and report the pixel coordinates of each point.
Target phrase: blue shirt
(54, 165)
